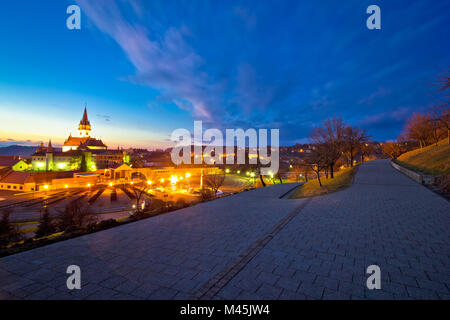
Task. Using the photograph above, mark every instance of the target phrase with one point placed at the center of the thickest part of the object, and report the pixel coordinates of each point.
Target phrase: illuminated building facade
(78, 153)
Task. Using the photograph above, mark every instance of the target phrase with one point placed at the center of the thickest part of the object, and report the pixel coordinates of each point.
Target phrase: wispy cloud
(381, 92)
(385, 120)
(258, 65)
(166, 63)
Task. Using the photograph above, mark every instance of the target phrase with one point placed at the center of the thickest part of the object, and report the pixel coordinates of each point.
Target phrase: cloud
(105, 117)
(241, 65)
(386, 120)
(167, 63)
(11, 142)
(381, 92)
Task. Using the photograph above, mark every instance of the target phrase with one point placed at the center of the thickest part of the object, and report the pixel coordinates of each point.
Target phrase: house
(18, 181)
(13, 162)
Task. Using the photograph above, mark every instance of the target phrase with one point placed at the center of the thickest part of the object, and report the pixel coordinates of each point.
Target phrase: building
(83, 153)
(13, 162)
(18, 181)
(84, 141)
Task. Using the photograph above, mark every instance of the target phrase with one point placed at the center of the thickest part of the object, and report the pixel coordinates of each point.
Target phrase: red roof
(85, 120)
(18, 177)
(8, 161)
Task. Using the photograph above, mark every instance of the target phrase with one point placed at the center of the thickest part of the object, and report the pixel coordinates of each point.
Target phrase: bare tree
(316, 161)
(258, 169)
(214, 180)
(366, 149)
(353, 138)
(443, 80)
(441, 121)
(140, 188)
(436, 127)
(75, 215)
(418, 128)
(392, 149)
(329, 140)
(139, 191)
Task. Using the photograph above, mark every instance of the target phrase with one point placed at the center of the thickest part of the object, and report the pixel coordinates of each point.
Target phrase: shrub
(46, 226)
(206, 194)
(180, 204)
(102, 225)
(8, 233)
(75, 216)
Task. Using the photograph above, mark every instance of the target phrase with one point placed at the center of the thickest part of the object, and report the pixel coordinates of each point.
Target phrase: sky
(147, 67)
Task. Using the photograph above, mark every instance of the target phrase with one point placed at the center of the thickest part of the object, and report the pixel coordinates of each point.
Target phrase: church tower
(84, 127)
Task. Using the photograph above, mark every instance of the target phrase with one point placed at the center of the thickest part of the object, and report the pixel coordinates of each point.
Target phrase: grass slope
(342, 179)
(434, 160)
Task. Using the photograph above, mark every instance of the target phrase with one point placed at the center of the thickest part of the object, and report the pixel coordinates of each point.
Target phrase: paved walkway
(256, 246)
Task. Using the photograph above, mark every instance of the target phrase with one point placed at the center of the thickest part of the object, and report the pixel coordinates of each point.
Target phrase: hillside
(432, 159)
(23, 151)
(342, 179)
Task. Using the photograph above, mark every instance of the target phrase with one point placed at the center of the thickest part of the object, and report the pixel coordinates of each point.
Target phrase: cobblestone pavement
(166, 257)
(384, 218)
(257, 246)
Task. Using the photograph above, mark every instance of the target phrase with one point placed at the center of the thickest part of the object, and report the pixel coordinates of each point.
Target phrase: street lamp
(173, 180)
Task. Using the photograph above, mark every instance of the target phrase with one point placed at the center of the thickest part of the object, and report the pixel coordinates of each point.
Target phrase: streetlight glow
(173, 179)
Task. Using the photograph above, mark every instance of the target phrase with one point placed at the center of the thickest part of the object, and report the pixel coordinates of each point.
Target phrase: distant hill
(23, 151)
(432, 159)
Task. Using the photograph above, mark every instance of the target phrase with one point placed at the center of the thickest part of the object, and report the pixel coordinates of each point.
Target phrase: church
(82, 153)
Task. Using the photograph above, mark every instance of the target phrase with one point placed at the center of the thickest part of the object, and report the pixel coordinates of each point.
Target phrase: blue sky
(145, 68)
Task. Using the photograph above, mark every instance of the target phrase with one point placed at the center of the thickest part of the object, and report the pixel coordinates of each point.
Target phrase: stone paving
(166, 257)
(256, 246)
(384, 218)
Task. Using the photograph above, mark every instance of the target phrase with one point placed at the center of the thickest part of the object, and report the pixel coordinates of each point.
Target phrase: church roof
(83, 142)
(91, 142)
(74, 141)
(85, 121)
(50, 147)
